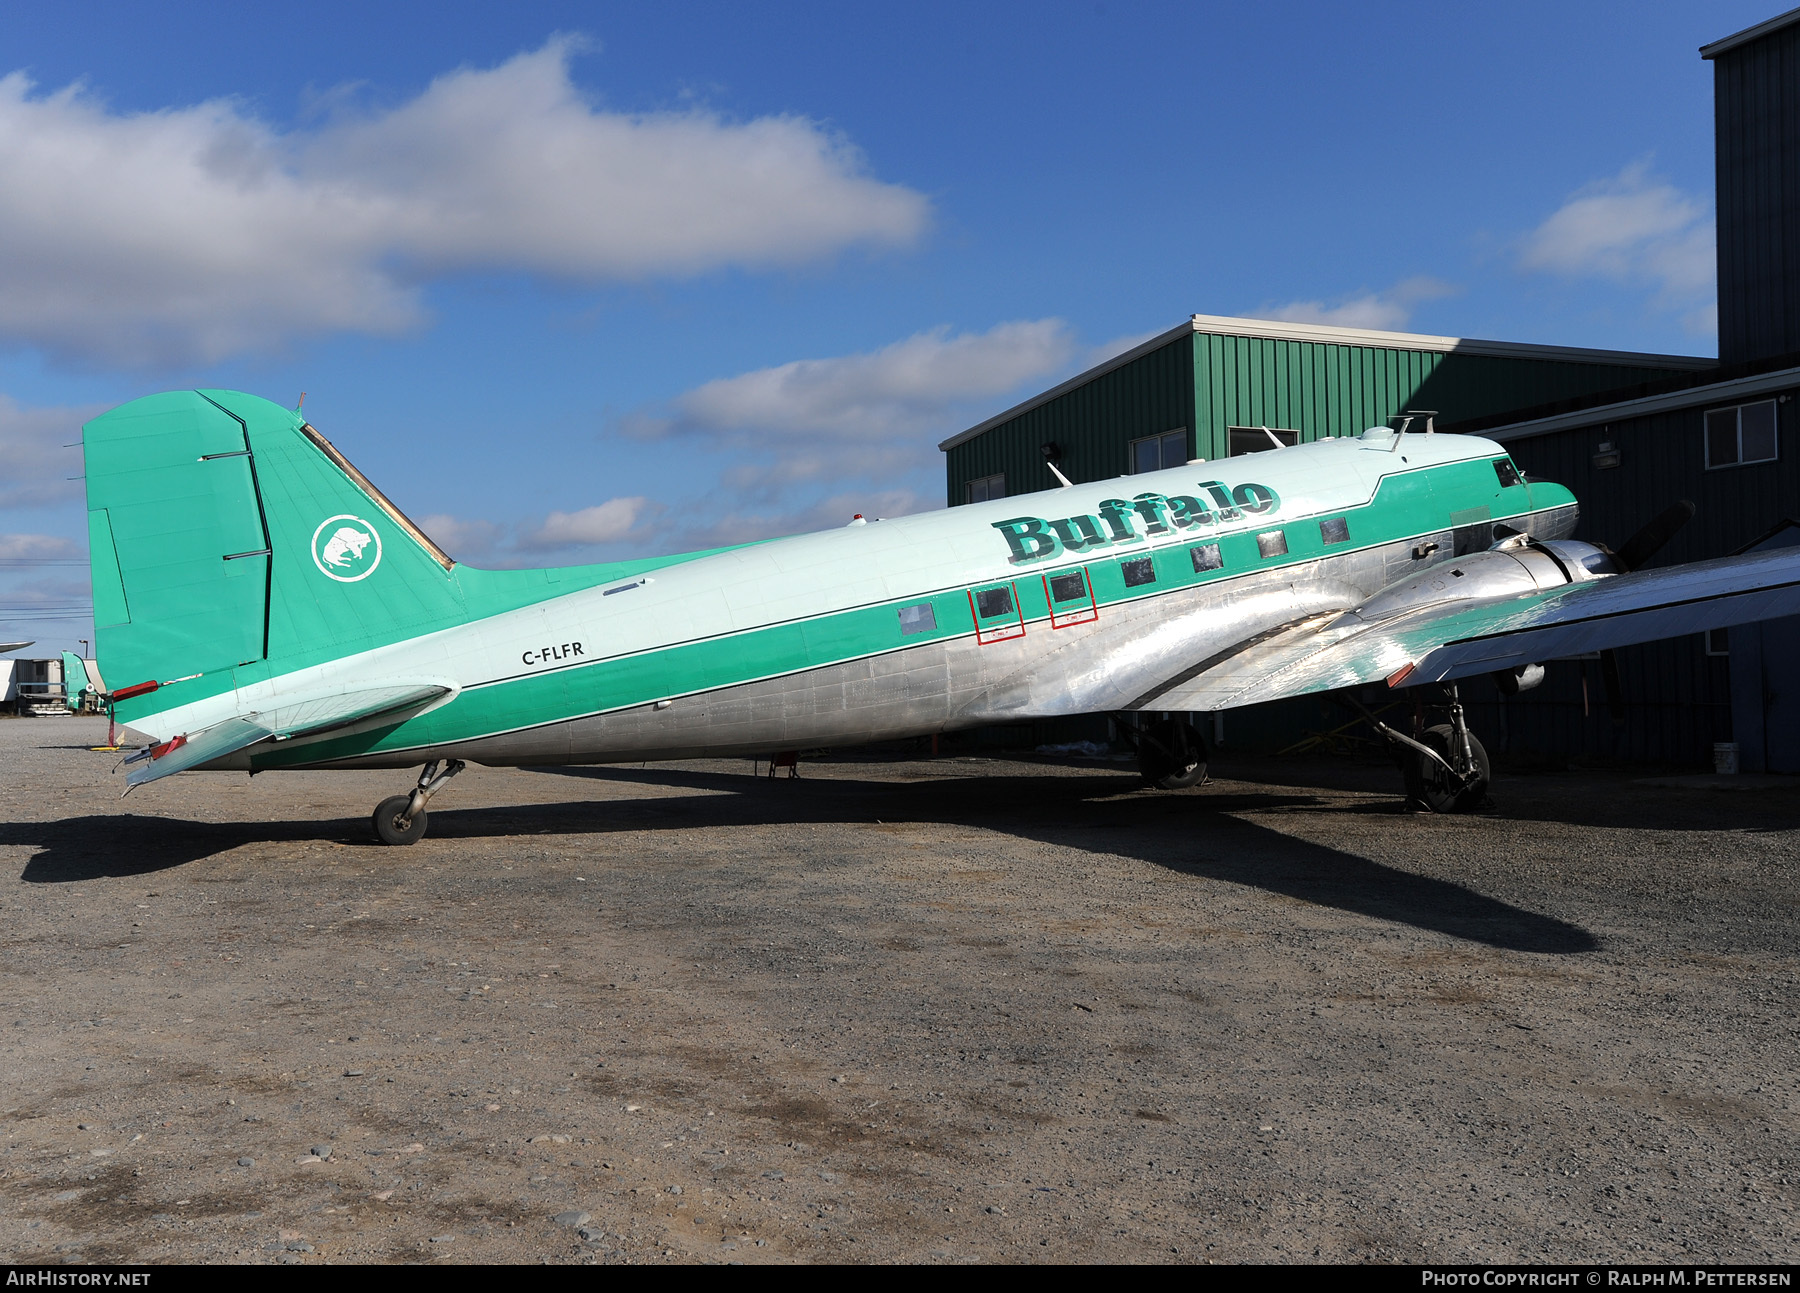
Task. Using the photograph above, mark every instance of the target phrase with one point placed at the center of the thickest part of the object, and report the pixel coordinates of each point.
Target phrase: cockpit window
(1508, 474)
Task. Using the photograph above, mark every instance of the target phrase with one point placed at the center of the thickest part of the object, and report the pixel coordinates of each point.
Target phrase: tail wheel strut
(400, 819)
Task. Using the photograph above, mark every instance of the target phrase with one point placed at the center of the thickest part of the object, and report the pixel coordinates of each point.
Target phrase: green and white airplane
(260, 605)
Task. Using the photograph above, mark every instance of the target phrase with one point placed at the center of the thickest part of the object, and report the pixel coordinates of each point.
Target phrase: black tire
(1434, 788)
(391, 825)
(1180, 763)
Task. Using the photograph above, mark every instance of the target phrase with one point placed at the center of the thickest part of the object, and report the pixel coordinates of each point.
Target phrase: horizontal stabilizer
(317, 713)
(281, 720)
(183, 752)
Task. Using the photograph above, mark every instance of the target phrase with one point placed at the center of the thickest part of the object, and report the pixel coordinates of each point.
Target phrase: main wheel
(1431, 785)
(1180, 763)
(391, 823)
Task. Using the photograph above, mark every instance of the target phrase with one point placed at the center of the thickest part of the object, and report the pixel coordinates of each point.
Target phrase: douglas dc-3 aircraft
(260, 605)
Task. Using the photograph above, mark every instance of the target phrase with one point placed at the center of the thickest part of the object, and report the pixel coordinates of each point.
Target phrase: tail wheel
(1173, 757)
(393, 826)
(1430, 784)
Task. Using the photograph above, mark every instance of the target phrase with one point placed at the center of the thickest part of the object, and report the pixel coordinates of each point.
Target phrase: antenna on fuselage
(1406, 420)
(1052, 454)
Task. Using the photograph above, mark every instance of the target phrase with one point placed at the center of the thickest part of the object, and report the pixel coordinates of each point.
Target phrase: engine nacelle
(1514, 567)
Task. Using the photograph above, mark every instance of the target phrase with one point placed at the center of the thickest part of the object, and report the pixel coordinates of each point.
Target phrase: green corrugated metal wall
(1093, 424)
(1209, 382)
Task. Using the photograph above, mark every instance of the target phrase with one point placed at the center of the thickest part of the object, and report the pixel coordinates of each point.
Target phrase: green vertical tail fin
(230, 541)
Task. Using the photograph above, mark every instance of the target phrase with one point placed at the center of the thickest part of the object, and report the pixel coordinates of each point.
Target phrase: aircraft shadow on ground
(1190, 835)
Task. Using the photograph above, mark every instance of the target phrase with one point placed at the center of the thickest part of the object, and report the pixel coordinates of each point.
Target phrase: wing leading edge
(1459, 640)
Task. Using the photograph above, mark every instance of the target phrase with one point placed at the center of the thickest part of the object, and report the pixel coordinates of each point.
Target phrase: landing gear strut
(400, 819)
(1171, 755)
(1445, 767)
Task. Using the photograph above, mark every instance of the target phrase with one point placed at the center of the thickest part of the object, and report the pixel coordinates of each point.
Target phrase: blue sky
(576, 282)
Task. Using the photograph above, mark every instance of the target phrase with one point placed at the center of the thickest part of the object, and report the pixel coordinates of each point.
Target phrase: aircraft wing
(279, 720)
(1460, 640)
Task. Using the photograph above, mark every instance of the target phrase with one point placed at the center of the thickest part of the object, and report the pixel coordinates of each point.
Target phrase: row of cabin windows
(1071, 585)
(1157, 453)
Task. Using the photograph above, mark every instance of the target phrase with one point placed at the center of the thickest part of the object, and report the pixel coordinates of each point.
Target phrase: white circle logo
(346, 548)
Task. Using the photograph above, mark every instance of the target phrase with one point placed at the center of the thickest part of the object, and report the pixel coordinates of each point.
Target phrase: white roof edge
(1281, 330)
(1726, 44)
(1715, 393)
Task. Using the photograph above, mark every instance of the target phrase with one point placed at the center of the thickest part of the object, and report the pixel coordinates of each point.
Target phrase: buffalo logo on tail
(346, 548)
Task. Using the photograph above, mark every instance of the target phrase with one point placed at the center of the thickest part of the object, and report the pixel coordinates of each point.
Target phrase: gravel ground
(937, 1011)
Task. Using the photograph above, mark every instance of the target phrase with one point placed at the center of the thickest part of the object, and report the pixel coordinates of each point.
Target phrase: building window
(1742, 434)
(1272, 543)
(1159, 452)
(1717, 643)
(1138, 572)
(1256, 439)
(1335, 530)
(988, 487)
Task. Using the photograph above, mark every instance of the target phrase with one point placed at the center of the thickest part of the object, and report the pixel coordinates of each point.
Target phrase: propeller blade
(1615, 691)
(1645, 544)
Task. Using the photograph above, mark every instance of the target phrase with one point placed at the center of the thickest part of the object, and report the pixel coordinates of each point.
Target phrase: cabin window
(1138, 572)
(1272, 543)
(1159, 452)
(987, 488)
(1256, 439)
(1071, 599)
(917, 619)
(1508, 474)
(998, 617)
(1206, 557)
(1335, 530)
(1743, 434)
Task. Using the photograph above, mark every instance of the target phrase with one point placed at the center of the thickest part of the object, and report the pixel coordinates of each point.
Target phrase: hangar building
(1630, 433)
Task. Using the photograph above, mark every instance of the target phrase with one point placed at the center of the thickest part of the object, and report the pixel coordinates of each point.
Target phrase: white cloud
(36, 466)
(39, 547)
(773, 522)
(1636, 230)
(469, 541)
(614, 521)
(1384, 311)
(809, 444)
(906, 389)
(193, 233)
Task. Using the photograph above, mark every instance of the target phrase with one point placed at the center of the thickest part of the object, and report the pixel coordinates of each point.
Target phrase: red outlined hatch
(998, 617)
(1071, 598)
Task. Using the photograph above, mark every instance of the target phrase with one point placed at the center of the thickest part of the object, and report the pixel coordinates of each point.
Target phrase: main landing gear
(400, 819)
(1171, 755)
(1445, 767)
